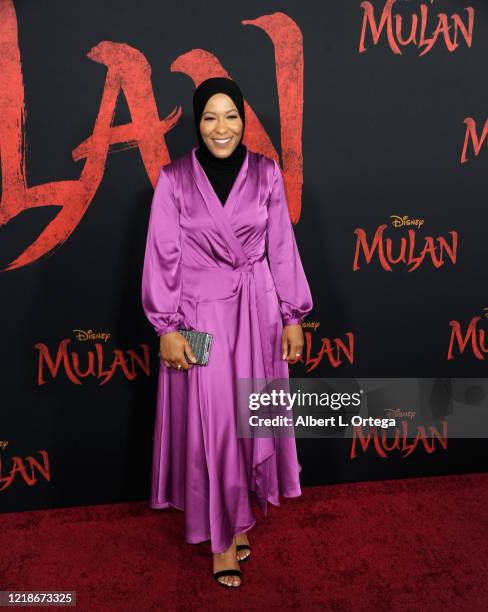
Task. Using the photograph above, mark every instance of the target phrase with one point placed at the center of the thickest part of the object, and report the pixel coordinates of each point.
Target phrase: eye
(228, 117)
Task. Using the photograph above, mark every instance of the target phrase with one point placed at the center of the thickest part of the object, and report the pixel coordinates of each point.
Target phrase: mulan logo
(99, 364)
(129, 75)
(24, 469)
(471, 338)
(405, 249)
(404, 441)
(471, 136)
(413, 30)
(336, 351)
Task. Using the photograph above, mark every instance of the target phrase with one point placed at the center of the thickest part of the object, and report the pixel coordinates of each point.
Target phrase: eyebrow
(230, 110)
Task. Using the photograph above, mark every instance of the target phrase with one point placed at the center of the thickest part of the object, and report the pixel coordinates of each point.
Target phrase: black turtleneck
(221, 172)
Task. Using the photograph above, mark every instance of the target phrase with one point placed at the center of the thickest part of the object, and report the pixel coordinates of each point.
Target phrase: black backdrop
(383, 135)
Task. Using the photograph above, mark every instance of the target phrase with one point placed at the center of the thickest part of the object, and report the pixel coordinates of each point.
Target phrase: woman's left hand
(292, 342)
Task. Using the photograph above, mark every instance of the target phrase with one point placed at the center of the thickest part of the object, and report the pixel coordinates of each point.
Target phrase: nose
(221, 127)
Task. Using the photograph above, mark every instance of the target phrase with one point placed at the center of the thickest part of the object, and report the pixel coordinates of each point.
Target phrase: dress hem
(274, 502)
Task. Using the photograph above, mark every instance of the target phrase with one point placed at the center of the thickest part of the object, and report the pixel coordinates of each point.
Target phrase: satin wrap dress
(233, 271)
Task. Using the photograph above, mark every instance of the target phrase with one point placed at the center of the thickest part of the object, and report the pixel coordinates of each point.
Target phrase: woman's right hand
(172, 349)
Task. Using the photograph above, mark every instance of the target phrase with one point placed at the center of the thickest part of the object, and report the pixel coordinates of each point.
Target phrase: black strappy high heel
(228, 572)
(243, 547)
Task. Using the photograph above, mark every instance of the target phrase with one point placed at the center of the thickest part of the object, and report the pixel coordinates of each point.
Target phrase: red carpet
(416, 544)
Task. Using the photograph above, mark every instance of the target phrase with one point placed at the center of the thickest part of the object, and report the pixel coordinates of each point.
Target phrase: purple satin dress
(235, 272)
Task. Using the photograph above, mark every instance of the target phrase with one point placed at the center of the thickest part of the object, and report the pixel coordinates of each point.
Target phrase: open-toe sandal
(228, 572)
(243, 547)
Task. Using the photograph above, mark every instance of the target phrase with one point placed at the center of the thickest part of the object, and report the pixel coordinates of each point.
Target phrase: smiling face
(221, 125)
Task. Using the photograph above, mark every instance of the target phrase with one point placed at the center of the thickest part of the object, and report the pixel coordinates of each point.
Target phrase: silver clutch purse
(200, 345)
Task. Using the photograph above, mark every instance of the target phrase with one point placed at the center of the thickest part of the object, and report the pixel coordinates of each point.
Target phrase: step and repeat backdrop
(377, 114)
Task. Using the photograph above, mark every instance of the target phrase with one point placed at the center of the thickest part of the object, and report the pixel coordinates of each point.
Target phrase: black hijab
(220, 172)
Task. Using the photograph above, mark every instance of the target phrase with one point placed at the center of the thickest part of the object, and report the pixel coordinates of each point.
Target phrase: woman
(221, 257)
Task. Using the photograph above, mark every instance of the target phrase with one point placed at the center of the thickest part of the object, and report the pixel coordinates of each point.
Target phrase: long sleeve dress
(233, 271)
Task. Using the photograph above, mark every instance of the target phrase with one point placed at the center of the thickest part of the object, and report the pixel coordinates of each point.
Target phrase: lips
(222, 141)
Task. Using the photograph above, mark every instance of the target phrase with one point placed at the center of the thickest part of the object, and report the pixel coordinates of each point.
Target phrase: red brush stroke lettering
(406, 251)
(472, 136)
(128, 72)
(395, 34)
(333, 350)
(26, 468)
(473, 335)
(400, 442)
(129, 363)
